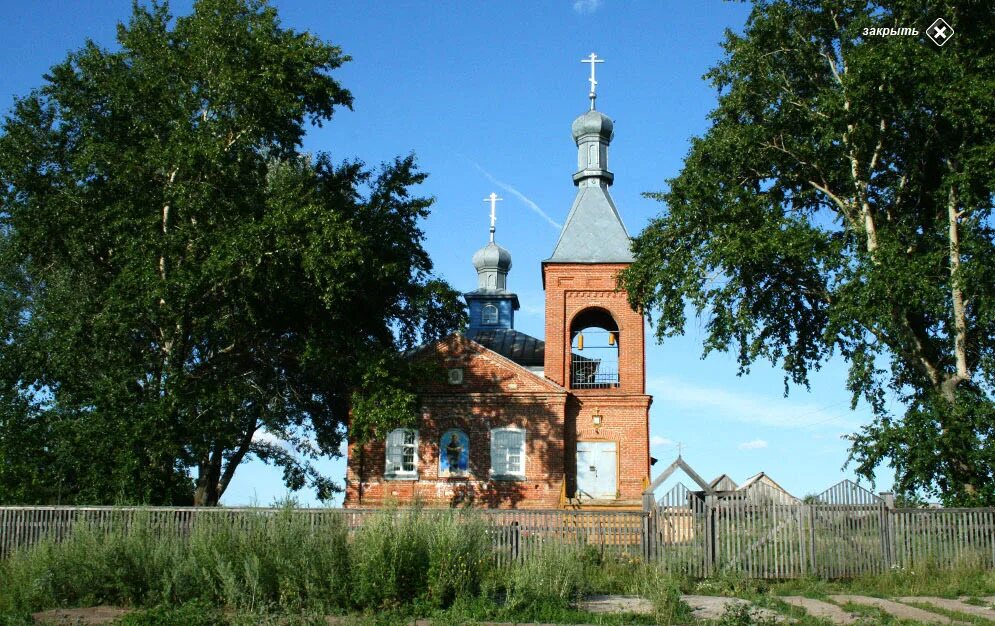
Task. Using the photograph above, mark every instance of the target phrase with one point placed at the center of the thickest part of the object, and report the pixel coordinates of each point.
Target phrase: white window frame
(399, 473)
(442, 451)
(507, 475)
(490, 321)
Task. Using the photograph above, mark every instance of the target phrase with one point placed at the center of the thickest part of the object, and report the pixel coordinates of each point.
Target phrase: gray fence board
(845, 533)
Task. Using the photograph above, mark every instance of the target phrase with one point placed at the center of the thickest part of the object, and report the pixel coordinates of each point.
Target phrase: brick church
(513, 421)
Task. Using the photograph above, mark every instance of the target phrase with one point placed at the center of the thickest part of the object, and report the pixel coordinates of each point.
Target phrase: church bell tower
(594, 339)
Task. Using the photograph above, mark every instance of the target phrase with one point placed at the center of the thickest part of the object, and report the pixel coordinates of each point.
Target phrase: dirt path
(818, 608)
(72, 617)
(899, 610)
(616, 604)
(953, 605)
(714, 607)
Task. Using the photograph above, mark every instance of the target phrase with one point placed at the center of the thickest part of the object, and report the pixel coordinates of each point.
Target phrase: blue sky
(483, 93)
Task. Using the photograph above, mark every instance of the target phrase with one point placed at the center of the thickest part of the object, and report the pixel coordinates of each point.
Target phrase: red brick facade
(496, 392)
(572, 288)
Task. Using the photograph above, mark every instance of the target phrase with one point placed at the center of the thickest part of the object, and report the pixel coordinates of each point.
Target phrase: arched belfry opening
(594, 345)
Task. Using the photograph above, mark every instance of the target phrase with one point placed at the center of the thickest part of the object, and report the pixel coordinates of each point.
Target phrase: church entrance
(597, 470)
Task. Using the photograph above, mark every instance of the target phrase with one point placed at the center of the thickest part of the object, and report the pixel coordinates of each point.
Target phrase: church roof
(523, 349)
(593, 232)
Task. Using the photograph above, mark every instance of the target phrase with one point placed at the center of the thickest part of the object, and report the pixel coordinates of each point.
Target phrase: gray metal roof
(593, 232)
(521, 348)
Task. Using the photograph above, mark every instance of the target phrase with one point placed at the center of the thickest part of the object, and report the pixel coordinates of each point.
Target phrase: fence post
(813, 566)
(887, 531)
(515, 537)
(709, 534)
(649, 526)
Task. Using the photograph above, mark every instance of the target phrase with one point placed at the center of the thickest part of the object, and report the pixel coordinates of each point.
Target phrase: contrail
(517, 194)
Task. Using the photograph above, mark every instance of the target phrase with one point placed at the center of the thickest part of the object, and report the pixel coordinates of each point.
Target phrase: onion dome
(593, 124)
(492, 257)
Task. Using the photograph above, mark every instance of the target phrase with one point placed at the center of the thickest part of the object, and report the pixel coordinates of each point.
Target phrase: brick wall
(494, 393)
(570, 289)
(624, 420)
(573, 287)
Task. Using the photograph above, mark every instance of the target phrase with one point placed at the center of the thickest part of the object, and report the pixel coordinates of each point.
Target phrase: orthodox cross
(592, 59)
(493, 199)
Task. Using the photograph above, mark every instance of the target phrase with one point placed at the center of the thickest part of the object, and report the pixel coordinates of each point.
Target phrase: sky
(483, 93)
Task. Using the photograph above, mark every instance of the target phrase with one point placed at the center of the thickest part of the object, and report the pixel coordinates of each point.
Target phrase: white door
(596, 473)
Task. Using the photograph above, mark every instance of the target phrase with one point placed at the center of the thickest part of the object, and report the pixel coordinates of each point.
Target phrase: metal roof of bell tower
(593, 231)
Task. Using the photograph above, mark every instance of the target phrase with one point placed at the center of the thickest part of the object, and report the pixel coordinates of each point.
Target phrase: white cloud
(657, 440)
(306, 445)
(264, 436)
(756, 444)
(525, 200)
(749, 408)
(586, 6)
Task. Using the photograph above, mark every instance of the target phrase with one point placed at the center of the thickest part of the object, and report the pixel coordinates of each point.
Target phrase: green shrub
(261, 562)
(459, 553)
(744, 615)
(389, 558)
(552, 576)
(191, 614)
(399, 556)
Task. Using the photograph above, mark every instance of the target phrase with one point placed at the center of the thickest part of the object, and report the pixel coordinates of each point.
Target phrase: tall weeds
(399, 561)
(254, 563)
(257, 563)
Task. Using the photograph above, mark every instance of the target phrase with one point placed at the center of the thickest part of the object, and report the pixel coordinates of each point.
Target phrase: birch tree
(841, 204)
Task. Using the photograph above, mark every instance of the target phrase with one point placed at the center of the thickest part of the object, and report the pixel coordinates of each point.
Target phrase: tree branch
(236, 458)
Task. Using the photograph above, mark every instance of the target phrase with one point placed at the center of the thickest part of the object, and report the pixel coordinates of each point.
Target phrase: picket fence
(846, 531)
(514, 534)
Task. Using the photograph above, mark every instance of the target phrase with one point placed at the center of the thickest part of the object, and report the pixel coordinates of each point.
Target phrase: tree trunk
(957, 295)
(208, 477)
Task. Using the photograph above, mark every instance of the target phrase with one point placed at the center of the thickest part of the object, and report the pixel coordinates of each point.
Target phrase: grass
(277, 569)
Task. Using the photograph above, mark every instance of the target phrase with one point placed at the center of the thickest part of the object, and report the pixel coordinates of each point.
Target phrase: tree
(841, 203)
(181, 289)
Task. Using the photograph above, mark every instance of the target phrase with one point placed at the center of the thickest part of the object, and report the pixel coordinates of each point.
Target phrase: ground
(614, 609)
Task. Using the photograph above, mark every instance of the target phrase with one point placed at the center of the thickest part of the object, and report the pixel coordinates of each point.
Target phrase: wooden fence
(515, 534)
(846, 532)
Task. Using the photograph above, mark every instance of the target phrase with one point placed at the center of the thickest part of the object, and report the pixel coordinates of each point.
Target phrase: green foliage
(744, 615)
(459, 556)
(276, 568)
(264, 562)
(190, 614)
(389, 558)
(554, 576)
(841, 204)
(175, 275)
(402, 555)
(932, 447)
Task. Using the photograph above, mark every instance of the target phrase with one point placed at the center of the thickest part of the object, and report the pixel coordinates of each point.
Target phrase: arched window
(508, 453)
(489, 314)
(454, 453)
(594, 342)
(402, 454)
